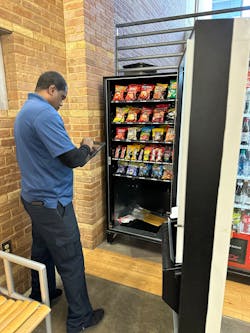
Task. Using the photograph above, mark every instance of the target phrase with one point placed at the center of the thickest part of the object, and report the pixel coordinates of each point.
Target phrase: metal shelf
(241, 206)
(138, 233)
(143, 178)
(143, 123)
(144, 141)
(154, 101)
(145, 162)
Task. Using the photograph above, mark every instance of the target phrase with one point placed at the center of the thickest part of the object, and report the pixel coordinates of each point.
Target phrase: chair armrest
(40, 268)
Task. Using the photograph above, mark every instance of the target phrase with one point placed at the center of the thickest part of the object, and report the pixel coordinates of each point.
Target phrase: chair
(20, 314)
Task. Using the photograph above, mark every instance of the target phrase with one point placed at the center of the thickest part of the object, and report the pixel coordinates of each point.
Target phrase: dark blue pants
(56, 242)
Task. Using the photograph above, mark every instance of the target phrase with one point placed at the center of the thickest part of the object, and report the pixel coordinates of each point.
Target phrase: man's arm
(75, 157)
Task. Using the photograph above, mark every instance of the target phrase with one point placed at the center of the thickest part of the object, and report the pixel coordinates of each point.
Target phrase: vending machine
(212, 200)
(239, 254)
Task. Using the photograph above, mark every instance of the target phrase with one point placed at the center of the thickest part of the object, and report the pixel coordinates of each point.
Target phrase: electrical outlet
(6, 246)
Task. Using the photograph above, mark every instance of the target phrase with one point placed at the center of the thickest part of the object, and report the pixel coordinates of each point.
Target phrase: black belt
(37, 203)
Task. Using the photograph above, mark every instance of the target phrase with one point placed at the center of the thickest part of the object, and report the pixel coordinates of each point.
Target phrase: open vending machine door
(213, 102)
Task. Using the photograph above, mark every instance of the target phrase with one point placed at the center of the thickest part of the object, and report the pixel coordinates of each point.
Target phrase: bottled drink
(245, 132)
(247, 201)
(244, 193)
(236, 219)
(246, 222)
(238, 191)
(242, 162)
(246, 166)
(247, 103)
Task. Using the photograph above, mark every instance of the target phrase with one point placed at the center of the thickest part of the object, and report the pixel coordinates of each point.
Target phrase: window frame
(3, 87)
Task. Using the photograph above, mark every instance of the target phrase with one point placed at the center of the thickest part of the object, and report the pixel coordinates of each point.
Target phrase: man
(46, 157)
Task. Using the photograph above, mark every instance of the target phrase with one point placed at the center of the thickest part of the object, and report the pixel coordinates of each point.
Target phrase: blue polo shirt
(40, 138)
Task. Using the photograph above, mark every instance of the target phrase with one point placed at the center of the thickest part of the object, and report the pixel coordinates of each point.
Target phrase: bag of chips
(158, 134)
(133, 115)
(147, 153)
(160, 91)
(144, 170)
(157, 170)
(145, 133)
(172, 89)
(132, 170)
(120, 114)
(159, 154)
(133, 91)
(119, 93)
(122, 167)
(145, 114)
(167, 172)
(121, 133)
(153, 154)
(141, 153)
(171, 113)
(159, 113)
(169, 134)
(117, 151)
(146, 90)
(167, 157)
(129, 152)
(123, 152)
(132, 133)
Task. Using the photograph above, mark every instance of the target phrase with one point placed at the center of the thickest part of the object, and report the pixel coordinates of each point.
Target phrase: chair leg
(48, 323)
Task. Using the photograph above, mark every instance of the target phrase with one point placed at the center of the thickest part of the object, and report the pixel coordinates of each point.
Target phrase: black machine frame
(152, 194)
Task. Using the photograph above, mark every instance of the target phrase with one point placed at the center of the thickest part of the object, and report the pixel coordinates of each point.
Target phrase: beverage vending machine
(239, 254)
(212, 202)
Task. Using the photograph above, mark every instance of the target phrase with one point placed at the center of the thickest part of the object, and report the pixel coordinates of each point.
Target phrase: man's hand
(87, 141)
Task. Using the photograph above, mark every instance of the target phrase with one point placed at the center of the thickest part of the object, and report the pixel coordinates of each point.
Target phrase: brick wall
(36, 44)
(89, 48)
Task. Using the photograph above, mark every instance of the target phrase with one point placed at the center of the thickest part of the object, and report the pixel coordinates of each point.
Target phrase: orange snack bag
(160, 90)
(119, 93)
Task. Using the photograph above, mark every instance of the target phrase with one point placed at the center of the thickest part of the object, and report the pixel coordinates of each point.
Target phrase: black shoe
(37, 297)
(97, 316)
(58, 293)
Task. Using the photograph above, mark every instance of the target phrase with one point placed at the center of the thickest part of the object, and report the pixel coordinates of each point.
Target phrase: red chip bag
(133, 90)
(159, 113)
(146, 90)
(121, 133)
(145, 115)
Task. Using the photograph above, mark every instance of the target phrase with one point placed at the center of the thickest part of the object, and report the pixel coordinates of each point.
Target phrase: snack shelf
(243, 177)
(241, 206)
(136, 161)
(144, 101)
(143, 123)
(143, 178)
(245, 147)
(144, 141)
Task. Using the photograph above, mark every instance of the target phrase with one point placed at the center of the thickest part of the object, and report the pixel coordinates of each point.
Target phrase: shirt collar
(36, 96)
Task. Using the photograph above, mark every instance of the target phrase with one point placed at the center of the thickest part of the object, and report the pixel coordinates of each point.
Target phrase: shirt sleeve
(50, 128)
(76, 157)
